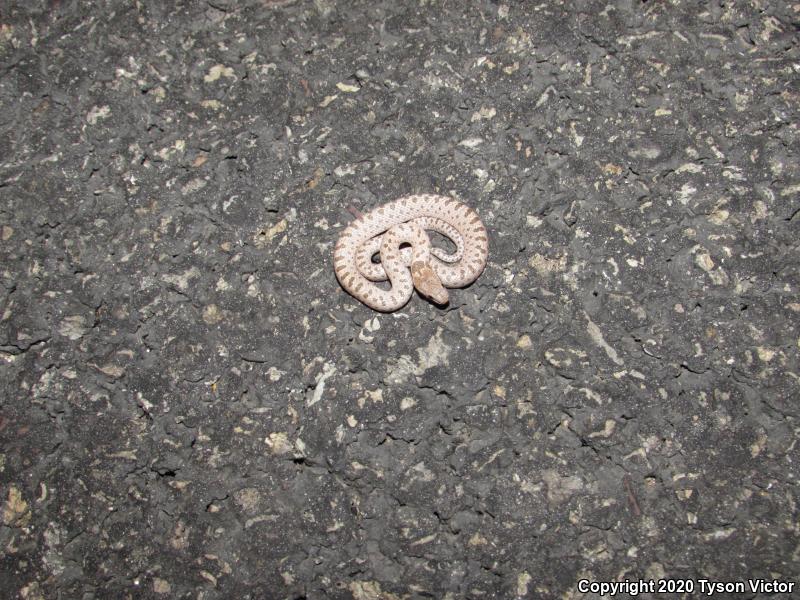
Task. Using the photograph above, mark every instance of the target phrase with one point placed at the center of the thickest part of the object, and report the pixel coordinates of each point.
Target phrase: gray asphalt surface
(191, 406)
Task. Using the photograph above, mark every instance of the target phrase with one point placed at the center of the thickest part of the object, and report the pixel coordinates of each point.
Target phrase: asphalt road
(190, 405)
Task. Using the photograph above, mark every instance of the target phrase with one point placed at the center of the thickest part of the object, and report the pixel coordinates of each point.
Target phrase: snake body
(388, 229)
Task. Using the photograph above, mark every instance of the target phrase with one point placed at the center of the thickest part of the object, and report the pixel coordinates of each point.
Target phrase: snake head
(427, 282)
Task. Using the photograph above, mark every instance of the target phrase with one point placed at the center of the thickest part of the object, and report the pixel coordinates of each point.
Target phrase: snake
(398, 232)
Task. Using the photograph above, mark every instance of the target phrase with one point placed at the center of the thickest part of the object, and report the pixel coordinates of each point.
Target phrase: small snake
(388, 228)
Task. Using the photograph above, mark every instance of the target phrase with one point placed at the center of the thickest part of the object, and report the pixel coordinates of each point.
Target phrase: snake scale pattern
(398, 232)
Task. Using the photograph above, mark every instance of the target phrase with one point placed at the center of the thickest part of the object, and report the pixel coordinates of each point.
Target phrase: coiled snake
(388, 229)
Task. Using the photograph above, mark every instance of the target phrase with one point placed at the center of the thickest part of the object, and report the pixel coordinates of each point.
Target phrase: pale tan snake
(429, 270)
